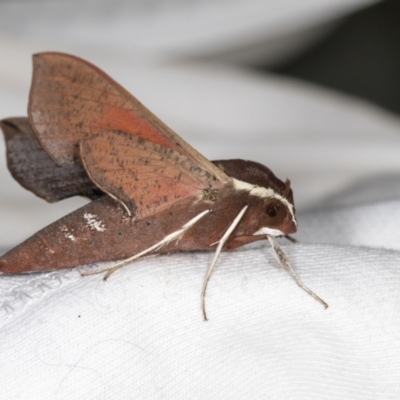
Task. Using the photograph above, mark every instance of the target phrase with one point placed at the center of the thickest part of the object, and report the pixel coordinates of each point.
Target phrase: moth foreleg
(167, 239)
(284, 263)
(221, 243)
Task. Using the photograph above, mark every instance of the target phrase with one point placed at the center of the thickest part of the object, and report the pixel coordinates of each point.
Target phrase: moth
(151, 192)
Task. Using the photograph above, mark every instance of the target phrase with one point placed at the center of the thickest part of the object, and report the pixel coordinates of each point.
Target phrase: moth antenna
(284, 264)
(287, 188)
(167, 239)
(221, 243)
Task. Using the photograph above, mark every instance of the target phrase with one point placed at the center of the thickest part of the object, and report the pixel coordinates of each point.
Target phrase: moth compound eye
(272, 209)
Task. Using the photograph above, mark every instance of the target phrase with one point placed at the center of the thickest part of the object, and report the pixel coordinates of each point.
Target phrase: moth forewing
(63, 84)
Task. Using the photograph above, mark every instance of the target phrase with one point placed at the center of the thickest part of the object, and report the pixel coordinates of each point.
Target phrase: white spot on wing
(67, 234)
(94, 223)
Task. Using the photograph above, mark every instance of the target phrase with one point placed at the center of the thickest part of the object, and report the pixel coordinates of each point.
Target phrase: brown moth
(152, 192)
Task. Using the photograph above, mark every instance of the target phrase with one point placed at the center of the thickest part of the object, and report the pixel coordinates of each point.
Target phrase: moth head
(278, 217)
(272, 208)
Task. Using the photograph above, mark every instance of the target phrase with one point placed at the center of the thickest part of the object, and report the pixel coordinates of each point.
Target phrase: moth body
(152, 192)
(103, 231)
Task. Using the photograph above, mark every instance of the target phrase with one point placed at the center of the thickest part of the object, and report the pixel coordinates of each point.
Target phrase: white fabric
(141, 335)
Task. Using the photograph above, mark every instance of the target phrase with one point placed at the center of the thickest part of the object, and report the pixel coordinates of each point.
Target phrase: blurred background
(308, 88)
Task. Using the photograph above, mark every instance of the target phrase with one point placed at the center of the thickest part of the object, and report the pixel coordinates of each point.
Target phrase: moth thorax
(210, 194)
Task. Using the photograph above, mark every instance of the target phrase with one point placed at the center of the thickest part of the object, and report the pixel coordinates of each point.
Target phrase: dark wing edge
(35, 171)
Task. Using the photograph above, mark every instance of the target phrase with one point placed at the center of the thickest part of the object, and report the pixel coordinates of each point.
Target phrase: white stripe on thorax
(265, 193)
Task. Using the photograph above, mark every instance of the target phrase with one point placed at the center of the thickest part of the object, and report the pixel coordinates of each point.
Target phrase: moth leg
(291, 239)
(284, 264)
(167, 239)
(219, 248)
